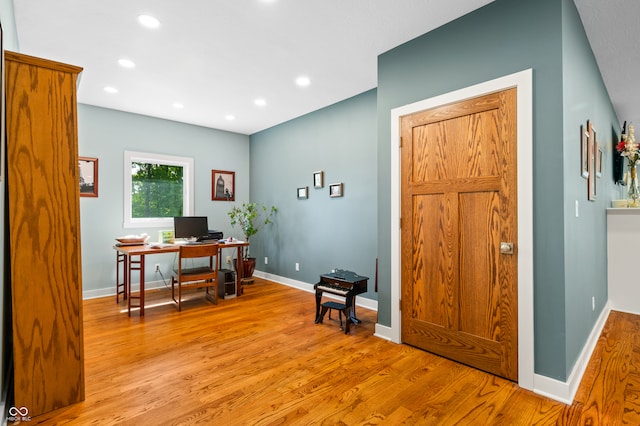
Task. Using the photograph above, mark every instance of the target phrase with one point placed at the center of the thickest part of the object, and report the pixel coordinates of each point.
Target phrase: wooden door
(459, 203)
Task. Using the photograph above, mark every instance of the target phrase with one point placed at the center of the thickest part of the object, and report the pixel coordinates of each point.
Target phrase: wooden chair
(198, 276)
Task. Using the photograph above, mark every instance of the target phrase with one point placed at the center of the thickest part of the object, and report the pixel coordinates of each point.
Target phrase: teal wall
(502, 38)
(106, 134)
(320, 233)
(9, 35)
(585, 239)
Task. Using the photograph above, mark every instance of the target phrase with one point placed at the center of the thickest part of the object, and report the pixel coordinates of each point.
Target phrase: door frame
(523, 82)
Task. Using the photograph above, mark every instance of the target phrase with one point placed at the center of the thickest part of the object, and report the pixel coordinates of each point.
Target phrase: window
(156, 188)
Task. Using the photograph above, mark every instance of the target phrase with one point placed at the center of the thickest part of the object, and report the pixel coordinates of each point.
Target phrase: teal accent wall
(106, 134)
(502, 38)
(584, 98)
(9, 35)
(320, 233)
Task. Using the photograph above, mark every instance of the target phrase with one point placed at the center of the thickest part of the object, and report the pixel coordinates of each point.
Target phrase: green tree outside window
(156, 190)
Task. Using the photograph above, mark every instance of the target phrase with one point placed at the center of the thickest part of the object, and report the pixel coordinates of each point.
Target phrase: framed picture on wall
(318, 179)
(303, 193)
(599, 155)
(584, 153)
(591, 166)
(335, 190)
(88, 173)
(223, 185)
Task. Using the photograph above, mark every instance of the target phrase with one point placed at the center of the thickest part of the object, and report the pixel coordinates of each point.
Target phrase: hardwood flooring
(260, 360)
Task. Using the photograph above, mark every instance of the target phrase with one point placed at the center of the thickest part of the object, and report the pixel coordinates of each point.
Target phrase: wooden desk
(133, 259)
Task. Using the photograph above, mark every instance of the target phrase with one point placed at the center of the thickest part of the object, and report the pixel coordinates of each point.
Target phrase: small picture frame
(318, 179)
(88, 176)
(335, 190)
(584, 153)
(223, 185)
(591, 180)
(599, 155)
(303, 193)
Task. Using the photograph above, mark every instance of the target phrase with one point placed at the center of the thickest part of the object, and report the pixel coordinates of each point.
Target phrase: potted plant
(250, 217)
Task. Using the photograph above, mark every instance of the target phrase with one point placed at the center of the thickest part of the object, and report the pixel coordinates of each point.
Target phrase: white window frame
(169, 160)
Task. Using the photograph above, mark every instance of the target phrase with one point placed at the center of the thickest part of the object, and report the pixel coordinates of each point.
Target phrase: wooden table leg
(128, 279)
(137, 265)
(121, 287)
(239, 272)
(142, 285)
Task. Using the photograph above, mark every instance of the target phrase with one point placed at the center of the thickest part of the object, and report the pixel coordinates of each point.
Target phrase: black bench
(340, 307)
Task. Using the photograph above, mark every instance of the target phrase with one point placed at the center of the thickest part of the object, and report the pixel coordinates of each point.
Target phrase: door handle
(506, 248)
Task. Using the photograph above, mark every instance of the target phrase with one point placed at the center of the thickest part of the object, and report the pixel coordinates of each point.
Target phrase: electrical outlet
(157, 267)
(297, 266)
(593, 303)
(266, 260)
(228, 260)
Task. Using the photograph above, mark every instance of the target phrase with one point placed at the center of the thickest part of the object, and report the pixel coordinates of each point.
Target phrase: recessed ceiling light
(178, 105)
(126, 63)
(110, 89)
(148, 21)
(303, 81)
(260, 102)
(230, 117)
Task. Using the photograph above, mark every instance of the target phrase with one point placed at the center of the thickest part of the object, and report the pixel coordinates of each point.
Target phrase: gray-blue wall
(585, 241)
(320, 233)
(502, 38)
(106, 134)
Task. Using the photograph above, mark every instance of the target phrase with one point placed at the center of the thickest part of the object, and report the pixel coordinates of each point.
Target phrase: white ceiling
(217, 56)
(613, 29)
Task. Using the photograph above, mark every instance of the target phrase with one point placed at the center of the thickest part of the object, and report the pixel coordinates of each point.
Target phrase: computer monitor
(191, 227)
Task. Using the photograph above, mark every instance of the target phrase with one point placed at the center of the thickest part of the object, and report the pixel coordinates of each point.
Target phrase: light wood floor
(260, 360)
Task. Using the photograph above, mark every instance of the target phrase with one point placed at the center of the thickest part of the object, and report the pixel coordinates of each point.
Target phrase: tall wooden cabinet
(44, 232)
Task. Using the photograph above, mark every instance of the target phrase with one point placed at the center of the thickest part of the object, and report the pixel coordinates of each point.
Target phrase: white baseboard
(360, 301)
(566, 391)
(384, 332)
(151, 285)
(111, 291)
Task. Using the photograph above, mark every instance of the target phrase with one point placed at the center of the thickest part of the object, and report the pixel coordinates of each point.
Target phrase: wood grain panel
(455, 110)
(44, 231)
(434, 274)
(456, 345)
(479, 252)
(455, 148)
